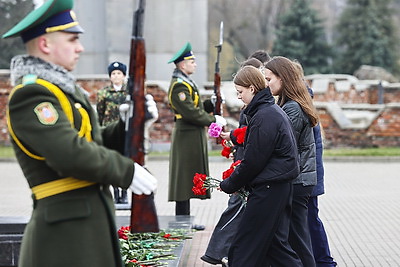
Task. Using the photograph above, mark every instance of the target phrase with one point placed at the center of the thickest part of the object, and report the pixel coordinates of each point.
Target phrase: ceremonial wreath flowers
(149, 249)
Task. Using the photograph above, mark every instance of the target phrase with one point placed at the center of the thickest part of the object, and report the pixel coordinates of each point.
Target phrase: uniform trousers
(299, 235)
(262, 237)
(182, 207)
(319, 240)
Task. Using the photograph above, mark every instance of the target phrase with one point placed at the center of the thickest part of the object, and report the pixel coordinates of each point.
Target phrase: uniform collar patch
(46, 113)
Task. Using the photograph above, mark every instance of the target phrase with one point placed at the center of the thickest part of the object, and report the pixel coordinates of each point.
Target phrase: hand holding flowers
(202, 182)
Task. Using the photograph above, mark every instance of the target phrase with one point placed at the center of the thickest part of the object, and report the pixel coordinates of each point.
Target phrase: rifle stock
(217, 80)
(143, 211)
(217, 93)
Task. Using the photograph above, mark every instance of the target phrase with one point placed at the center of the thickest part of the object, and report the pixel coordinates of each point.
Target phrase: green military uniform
(68, 160)
(108, 101)
(188, 153)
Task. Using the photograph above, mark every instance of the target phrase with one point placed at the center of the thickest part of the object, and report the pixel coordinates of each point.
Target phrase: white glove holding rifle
(214, 99)
(143, 181)
(125, 111)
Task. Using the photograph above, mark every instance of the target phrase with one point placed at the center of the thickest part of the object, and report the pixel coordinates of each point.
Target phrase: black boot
(182, 207)
(116, 195)
(124, 198)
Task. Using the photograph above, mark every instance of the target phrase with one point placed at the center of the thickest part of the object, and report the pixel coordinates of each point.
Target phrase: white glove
(220, 120)
(143, 182)
(151, 106)
(214, 98)
(123, 111)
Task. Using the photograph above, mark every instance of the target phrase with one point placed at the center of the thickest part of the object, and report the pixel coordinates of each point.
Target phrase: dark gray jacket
(305, 142)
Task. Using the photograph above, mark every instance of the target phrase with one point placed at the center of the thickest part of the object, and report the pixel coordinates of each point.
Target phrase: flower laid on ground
(149, 249)
(214, 130)
(202, 182)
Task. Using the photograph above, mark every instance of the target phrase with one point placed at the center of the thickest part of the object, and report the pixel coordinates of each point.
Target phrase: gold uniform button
(78, 105)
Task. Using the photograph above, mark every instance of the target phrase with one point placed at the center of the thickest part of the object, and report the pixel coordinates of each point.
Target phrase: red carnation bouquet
(202, 182)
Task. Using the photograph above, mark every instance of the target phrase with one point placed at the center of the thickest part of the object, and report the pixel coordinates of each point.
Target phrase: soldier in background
(108, 101)
(189, 152)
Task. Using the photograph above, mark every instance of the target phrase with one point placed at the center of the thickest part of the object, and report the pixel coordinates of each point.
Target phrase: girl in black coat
(285, 81)
(269, 164)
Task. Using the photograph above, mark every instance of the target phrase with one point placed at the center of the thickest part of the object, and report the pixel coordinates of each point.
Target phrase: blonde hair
(249, 75)
(293, 86)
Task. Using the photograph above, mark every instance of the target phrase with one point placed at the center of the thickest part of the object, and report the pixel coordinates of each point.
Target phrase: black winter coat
(238, 155)
(270, 151)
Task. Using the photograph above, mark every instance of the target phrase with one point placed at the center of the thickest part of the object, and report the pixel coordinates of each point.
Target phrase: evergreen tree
(300, 36)
(366, 36)
(11, 13)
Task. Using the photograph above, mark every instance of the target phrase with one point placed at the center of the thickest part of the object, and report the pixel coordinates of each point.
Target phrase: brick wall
(160, 131)
(4, 92)
(383, 131)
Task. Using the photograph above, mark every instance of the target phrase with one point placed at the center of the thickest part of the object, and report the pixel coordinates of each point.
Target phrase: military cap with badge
(184, 53)
(51, 16)
(116, 66)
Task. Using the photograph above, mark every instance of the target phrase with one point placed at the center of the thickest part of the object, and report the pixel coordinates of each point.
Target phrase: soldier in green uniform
(188, 153)
(108, 101)
(69, 161)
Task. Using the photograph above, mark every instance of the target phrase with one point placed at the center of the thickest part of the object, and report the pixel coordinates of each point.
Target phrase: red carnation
(198, 181)
(228, 172)
(226, 151)
(240, 134)
(123, 231)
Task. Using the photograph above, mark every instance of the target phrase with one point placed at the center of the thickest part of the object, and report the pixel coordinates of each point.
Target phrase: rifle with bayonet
(217, 78)
(143, 212)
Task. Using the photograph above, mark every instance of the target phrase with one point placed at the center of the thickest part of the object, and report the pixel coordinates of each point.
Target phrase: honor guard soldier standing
(68, 160)
(108, 101)
(188, 153)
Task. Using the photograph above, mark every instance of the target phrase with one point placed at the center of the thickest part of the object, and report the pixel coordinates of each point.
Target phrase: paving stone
(360, 210)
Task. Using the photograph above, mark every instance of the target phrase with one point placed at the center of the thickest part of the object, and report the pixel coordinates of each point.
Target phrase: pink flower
(214, 130)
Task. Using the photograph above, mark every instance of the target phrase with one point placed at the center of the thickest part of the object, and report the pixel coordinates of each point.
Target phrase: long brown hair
(293, 86)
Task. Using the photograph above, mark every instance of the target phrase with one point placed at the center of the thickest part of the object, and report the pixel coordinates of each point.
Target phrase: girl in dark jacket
(268, 167)
(285, 81)
(225, 230)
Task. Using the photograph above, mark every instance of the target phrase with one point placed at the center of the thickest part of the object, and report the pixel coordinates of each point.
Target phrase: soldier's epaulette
(29, 79)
